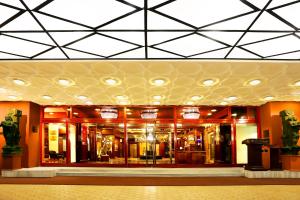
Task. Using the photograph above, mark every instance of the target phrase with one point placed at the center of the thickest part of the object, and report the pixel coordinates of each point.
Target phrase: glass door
(150, 143)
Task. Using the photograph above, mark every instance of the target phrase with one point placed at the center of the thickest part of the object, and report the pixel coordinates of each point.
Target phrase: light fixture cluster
(191, 113)
(156, 99)
(109, 113)
(149, 114)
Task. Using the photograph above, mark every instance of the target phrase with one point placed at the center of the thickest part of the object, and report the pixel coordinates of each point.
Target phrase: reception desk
(190, 157)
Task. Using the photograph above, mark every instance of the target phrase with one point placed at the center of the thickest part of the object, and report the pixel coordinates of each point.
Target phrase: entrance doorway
(150, 143)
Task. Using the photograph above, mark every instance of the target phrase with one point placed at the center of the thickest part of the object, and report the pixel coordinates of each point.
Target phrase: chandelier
(191, 113)
(109, 113)
(149, 114)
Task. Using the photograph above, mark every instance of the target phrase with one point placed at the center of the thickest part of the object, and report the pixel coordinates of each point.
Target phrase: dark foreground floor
(150, 181)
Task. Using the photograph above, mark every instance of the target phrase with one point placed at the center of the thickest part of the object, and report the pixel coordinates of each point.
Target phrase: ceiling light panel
(6, 13)
(279, 45)
(210, 27)
(98, 12)
(190, 45)
(101, 45)
(198, 13)
(290, 13)
(13, 45)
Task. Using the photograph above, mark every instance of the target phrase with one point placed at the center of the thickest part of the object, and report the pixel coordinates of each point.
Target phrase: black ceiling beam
(249, 27)
(13, 54)
(279, 54)
(45, 3)
(41, 25)
(146, 27)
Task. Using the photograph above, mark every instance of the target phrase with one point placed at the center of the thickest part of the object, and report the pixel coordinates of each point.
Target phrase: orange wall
(270, 119)
(29, 140)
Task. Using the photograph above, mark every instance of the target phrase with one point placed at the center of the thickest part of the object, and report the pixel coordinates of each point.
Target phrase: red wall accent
(270, 119)
(29, 139)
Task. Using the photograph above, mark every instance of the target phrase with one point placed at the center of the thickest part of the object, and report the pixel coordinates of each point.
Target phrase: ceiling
(184, 79)
(150, 29)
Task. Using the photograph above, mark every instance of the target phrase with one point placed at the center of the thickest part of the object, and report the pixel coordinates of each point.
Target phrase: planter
(11, 161)
(291, 162)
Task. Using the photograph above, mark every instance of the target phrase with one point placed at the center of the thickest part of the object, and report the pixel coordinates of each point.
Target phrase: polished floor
(74, 192)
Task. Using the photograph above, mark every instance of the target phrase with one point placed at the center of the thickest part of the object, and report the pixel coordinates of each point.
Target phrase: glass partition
(54, 143)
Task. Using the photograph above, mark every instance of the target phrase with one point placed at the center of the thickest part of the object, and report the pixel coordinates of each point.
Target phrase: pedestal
(291, 162)
(254, 154)
(11, 161)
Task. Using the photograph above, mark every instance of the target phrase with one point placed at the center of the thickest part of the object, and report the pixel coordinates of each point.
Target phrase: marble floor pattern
(76, 192)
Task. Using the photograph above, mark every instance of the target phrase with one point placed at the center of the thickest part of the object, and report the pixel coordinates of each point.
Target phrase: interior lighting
(109, 113)
(19, 82)
(254, 82)
(149, 114)
(196, 98)
(47, 97)
(191, 113)
(268, 98)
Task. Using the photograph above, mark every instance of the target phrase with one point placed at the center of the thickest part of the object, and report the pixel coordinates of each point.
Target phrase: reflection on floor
(150, 161)
(136, 161)
(74, 192)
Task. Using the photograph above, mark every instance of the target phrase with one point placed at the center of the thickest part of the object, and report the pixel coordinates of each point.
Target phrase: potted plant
(290, 135)
(12, 151)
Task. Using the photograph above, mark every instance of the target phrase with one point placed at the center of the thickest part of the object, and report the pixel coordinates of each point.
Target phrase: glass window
(150, 143)
(100, 143)
(54, 142)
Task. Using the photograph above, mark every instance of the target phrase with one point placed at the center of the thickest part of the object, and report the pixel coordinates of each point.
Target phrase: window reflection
(54, 143)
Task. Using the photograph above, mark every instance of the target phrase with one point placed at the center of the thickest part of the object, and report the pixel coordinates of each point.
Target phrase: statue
(290, 127)
(11, 132)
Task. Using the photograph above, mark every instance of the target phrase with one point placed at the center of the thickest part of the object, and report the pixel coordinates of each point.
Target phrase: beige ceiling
(184, 81)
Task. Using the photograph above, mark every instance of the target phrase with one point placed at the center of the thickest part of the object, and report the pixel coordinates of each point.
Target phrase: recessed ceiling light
(189, 103)
(254, 82)
(13, 97)
(268, 98)
(81, 97)
(157, 97)
(213, 110)
(121, 97)
(89, 103)
(196, 98)
(47, 97)
(231, 98)
(64, 82)
(19, 82)
(75, 113)
(58, 103)
(2, 90)
(233, 114)
(156, 102)
(223, 103)
(209, 114)
(123, 102)
(111, 81)
(297, 83)
(158, 81)
(209, 82)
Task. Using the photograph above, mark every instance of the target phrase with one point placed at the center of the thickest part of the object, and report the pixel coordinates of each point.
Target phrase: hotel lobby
(150, 88)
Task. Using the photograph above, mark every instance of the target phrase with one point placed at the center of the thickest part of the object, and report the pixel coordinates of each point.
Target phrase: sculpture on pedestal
(290, 132)
(11, 132)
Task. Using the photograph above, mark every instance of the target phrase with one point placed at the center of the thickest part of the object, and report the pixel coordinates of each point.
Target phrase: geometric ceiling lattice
(152, 29)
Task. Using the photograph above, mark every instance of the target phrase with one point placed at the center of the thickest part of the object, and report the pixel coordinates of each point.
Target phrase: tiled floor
(53, 192)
